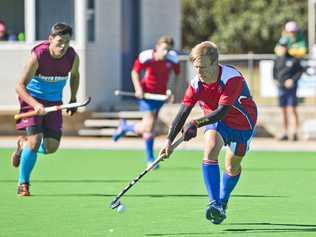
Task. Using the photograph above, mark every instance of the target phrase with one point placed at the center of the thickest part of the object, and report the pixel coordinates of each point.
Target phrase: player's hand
(139, 94)
(189, 131)
(289, 83)
(39, 108)
(166, 150)
(72, 111)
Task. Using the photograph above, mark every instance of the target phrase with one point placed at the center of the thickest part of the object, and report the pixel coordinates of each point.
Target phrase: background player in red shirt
(230, 117)
(157, 65)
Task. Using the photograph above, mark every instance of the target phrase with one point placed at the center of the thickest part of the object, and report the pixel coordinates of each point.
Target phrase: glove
(72, 111)
(189, 130)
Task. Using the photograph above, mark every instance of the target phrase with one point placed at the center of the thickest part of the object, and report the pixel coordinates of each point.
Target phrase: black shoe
(295, 138)
(284, 138)
(215, 213)
(224, 205)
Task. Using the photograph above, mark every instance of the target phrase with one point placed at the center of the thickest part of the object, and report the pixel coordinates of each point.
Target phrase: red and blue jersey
(229, 89)
(157, 73)
(51, 75)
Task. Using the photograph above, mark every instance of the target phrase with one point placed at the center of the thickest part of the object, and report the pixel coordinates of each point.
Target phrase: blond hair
(205, 49)
(165, 39)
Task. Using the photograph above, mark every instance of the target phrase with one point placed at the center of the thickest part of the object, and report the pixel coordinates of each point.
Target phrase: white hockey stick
(148, 96)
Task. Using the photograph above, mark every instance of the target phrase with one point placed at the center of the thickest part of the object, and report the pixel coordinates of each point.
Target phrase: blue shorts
(150, 105)
(237, 140)
(287, 97)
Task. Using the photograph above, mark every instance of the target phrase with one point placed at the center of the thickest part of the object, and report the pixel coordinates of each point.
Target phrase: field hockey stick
(53, 108)
(149, 96)
(116, 201)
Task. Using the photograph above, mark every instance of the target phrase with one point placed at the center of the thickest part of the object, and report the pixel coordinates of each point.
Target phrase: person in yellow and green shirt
(296, 42)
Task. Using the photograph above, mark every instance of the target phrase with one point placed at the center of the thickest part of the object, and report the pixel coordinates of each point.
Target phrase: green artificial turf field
(72, 190)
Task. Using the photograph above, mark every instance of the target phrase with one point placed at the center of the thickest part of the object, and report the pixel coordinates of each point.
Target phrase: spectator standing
(287, 71)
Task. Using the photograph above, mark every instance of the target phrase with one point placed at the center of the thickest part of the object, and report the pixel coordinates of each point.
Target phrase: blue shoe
(120, 131)
(215, 213)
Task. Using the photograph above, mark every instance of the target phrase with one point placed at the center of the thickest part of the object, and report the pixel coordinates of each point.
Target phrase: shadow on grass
(148, 195)
(272, 228)
(79, 181)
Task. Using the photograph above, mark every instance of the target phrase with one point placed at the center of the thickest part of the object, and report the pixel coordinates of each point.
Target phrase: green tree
(197, 21)
(240, 26)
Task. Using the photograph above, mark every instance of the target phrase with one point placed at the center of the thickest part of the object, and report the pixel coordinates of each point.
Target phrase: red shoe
(23, 190)
(16, 155)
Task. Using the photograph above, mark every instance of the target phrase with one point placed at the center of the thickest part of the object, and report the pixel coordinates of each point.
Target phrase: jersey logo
(53, 78)
(241, 97)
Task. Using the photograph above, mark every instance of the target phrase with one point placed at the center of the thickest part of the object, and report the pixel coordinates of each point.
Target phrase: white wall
(100, 61)
(159, 18)
(12, 61)
(103, 71)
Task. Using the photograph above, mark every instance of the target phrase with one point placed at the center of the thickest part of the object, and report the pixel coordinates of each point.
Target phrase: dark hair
(60, 29)
(3, 23)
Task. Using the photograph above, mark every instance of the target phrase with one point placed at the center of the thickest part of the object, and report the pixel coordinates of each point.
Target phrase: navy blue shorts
(237, 140)
(150, 105)
(287, 97)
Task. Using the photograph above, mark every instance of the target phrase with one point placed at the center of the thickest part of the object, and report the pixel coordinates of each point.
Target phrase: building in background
(108, 34)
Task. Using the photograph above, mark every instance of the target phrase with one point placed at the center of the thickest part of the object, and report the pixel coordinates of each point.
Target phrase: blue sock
(228, 185)
(28, 160)
(42, 148)
(149, 144)
(211, 177)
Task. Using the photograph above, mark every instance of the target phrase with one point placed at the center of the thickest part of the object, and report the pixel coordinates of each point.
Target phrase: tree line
(240, 26)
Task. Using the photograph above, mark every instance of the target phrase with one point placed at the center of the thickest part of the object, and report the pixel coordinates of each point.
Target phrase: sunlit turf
(72, 189)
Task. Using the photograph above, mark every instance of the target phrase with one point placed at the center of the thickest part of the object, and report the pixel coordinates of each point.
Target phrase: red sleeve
(231, 91)
(190, 97)
(176, 68)
(138, 66)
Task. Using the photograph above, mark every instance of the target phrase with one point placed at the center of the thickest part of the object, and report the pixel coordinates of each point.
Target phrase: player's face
(2, 31)
(59, 45)
(204, 68)
(162, 51)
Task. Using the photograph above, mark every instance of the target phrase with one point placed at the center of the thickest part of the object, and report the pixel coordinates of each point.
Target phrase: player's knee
(210, 152)
(148, 135)
(232, 170)
(210, 156)
(34, 141)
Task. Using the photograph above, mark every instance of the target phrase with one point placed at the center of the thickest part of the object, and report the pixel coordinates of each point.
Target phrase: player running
(49, 67)
(230, 117)
(157, 65)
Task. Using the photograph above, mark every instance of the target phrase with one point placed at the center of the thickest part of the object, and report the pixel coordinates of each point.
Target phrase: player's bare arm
(27, 74)
(74, 84)
(137, 86)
